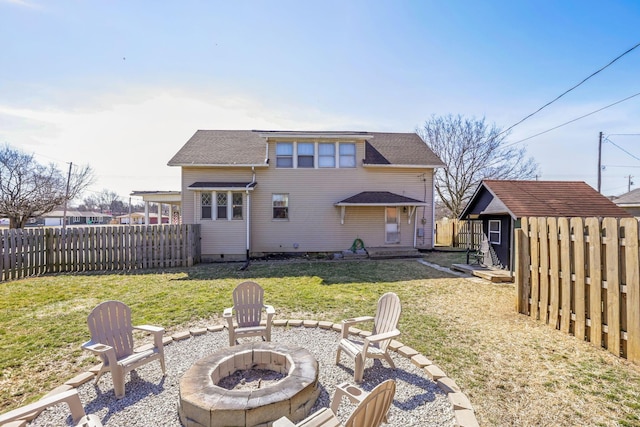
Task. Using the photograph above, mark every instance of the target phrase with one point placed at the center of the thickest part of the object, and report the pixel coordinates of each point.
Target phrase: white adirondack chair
(371, 411)
(112, 340)
(375, 346)
(248, 304)
(70, 397)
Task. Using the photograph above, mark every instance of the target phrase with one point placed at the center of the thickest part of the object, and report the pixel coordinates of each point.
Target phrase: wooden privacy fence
(459, 234)
(33, 251)
(582, 276)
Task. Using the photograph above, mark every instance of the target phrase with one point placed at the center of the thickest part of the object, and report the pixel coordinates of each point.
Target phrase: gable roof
(630, 199)
(543, 198)
(249, 148)
(222, 147)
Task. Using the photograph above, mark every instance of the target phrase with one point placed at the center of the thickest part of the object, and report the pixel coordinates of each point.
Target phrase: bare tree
(108, 200)
(472, 151)
(28, 188)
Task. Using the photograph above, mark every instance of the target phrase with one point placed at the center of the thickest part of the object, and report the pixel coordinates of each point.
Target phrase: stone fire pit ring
(204, 403)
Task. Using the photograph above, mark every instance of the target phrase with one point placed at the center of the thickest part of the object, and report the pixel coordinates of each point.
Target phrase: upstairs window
(347, 155)
(280, 203)
(326, 155)
(205, 206)
(237, 205)
(305, 154)
(284, 154)
(221, 199)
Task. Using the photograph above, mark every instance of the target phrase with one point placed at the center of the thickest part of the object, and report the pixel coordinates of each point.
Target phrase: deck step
(491, 274)
(384, 252)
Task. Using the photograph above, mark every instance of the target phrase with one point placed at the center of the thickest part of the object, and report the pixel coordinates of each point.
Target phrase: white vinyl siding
(314, 220)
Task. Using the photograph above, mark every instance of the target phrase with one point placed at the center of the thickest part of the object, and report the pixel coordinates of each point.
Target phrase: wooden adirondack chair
(112, 340)
(70, 397)
(248, 305)
(374, 346)
(371, 411)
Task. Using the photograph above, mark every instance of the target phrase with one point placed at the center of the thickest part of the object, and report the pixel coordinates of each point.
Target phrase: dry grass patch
(520, 372)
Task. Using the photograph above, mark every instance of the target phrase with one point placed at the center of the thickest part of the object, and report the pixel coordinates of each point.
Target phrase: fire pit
(203, 402)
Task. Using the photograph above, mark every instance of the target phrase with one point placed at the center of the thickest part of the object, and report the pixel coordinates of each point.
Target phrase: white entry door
(392, 225)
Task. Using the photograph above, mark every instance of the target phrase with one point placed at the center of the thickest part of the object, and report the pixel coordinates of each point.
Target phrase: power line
(621, 149)
(574, 120)
(568, 90)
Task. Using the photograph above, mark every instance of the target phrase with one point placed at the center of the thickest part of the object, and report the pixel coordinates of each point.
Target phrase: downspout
(433, 211)
(253, 180)
(415, 229)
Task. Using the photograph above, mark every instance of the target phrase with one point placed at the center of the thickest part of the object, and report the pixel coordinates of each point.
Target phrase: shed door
(392, 225)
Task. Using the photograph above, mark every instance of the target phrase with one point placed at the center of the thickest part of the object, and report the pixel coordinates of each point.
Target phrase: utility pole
(629, 183)
(599, 162)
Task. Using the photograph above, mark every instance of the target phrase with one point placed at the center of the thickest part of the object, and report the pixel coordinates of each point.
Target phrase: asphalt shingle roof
(378, 197)
(553, 198)
(630, 198)
(247, 147)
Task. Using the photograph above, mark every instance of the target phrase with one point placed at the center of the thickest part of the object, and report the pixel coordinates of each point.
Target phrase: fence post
(632, 280)
(612, 248)
(565, 274)
(595, 281)
(579, 274)
(522, 274)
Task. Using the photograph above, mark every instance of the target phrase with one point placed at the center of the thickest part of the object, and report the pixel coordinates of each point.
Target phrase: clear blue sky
(122, 85)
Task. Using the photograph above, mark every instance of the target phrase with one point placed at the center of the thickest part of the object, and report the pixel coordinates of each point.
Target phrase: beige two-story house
(259, 192)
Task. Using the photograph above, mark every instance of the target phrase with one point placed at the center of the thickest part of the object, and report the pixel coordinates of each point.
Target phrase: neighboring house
(500, 204)
(630, 202)
(138, 218)
(74, 217)
(259, 192)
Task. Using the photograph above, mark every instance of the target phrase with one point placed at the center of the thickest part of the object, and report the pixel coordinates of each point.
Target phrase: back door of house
(392, 225)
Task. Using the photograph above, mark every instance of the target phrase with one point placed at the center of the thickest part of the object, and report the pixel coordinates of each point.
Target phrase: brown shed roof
(248, 148)
(550, 198)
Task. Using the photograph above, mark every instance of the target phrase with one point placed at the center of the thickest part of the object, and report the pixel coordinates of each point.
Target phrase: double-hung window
(347, 155)
(494, 231)
(280, 203)
(237, 205)
(326, 155)
(221, 199)
(205, 205)
(305, 154)
(284, 154)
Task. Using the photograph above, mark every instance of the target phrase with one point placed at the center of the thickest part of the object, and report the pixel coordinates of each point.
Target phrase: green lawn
(450, 320)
